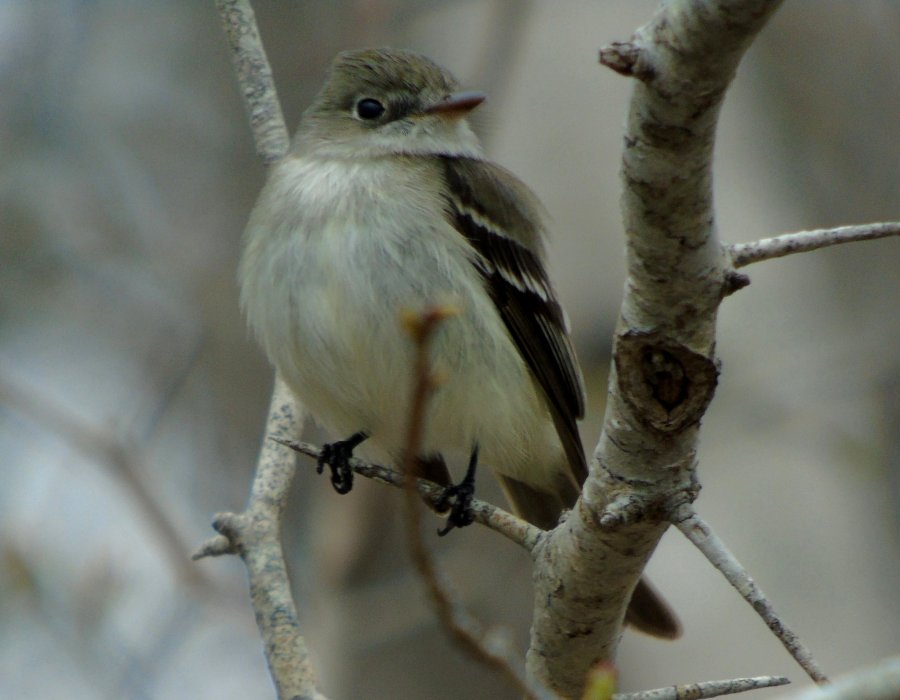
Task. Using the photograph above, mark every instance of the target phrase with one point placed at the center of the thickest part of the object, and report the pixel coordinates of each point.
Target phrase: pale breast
(335, 253)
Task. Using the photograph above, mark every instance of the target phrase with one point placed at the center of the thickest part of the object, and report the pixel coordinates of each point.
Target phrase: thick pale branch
(664, 369)
(803, 241)
(705, 689)
(701, 536)
(503, 522)
(580, 567)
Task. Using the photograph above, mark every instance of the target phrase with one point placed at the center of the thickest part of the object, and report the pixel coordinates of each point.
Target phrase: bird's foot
(458, 498)
(337, 456)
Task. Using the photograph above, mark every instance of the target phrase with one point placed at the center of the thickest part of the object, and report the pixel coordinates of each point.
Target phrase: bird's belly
(351, 359)
(325, 286)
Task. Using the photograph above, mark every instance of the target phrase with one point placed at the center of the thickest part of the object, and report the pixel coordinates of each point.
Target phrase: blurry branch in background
(256, 533)
(489, 647)
(121, 455)
(702, 537)
(804, 241)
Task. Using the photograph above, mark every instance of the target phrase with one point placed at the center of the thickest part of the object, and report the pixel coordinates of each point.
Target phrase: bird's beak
(459, 104)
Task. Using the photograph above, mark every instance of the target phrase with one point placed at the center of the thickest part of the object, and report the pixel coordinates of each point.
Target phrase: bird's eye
(369, 109)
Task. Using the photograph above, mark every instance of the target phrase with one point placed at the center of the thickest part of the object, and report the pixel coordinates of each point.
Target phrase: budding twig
(485, 645)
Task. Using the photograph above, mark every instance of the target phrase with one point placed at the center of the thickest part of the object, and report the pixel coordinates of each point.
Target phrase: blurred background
(132, 398)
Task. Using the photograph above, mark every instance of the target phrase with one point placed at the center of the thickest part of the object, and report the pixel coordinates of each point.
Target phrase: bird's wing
(503, 222)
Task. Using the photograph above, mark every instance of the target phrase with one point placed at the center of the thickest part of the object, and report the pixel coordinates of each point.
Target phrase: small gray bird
(386, 203)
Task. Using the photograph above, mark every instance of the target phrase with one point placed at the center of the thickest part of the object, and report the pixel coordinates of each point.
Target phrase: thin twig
(487, 646)
(513, 528)
(705, 689)
(743, 254)
(699, 533)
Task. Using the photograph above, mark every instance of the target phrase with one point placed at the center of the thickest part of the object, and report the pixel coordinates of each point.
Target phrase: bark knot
(667, 385)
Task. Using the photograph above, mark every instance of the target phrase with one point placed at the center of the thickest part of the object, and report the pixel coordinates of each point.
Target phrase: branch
(743, 254)
(702, 537)
(705, 689)
(664, 370)
(254, 76)
(493, 517)
(255, 534)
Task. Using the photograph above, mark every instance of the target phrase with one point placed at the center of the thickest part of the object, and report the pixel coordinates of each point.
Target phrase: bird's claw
(337, 456)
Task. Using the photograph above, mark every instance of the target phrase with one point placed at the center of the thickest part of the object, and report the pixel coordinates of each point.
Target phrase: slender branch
(702, 537)
(878, 682)
(743, 254)
(705, 689)
(255, 534)
(486, 646)
(255, 78)
(503, 522)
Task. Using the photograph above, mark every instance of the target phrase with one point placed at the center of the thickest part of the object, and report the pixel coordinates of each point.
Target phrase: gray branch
(664, 371)
(513, 528)
(701, 536)
(705, 689)
(803, 241)
(255, 534)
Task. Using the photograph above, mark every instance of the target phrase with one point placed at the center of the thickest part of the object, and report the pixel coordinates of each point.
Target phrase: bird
(386, 203)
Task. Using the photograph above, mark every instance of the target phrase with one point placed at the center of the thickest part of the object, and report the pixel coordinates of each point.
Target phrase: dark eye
(369, 108)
